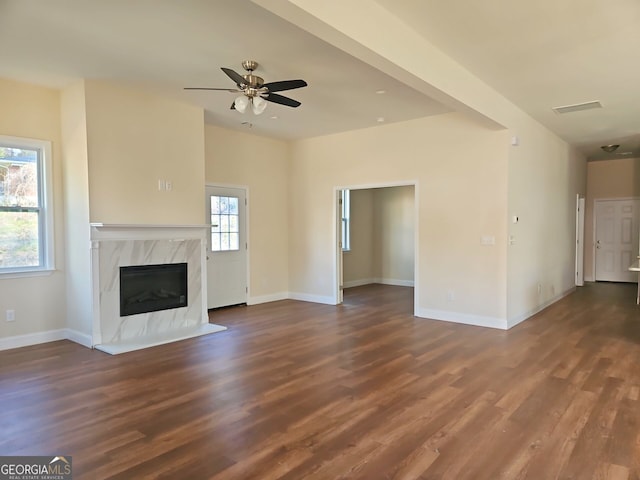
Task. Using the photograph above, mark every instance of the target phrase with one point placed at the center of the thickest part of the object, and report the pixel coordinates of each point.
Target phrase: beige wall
(39, 302)
(394, 234)
(262, 165)
(607, 179)
(135, 139)
(76, 199)
(545, 175)
(455, 162)
(358, 262)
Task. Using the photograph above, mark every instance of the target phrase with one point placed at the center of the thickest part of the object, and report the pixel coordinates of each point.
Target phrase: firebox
(150, 288)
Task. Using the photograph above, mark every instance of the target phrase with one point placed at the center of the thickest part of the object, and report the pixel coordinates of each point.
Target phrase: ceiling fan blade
(285, 85)
(232, 90)
(236, 77)
(282, 100)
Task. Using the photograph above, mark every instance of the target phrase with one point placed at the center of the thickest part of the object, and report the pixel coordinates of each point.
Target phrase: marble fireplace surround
(114, 246)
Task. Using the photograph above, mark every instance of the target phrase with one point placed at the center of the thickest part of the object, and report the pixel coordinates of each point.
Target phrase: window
(26, 223)
(225, 231)
(346, 210)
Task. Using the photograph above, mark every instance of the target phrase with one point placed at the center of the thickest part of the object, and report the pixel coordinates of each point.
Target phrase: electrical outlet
(11, 316)
(539, 288)
(168, 185)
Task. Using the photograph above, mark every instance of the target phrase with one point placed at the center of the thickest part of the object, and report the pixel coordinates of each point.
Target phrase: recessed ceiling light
(380, 119)
(274, 117)
(381, 92)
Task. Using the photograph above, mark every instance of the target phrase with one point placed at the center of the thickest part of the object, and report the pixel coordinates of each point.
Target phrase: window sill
(44, 272)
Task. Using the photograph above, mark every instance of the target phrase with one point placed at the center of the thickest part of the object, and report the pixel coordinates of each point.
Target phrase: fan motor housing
(253, 81)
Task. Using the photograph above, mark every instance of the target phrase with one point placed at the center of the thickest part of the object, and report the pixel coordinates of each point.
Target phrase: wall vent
(577, 107)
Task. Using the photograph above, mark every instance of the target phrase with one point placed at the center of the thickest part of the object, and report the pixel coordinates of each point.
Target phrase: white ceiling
(546, 54)
(538, 54)
(165, 45)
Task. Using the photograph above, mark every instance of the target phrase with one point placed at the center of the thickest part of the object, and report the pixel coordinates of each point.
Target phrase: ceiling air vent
(577, 107)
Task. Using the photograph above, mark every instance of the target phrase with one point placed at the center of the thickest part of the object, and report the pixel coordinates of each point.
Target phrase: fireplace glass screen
(150, 288)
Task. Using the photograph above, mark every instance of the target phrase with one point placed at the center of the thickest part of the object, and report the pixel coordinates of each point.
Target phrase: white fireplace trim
(125, 240)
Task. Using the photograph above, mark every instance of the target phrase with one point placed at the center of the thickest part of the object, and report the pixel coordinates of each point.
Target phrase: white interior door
(227, 247)
(616, 242)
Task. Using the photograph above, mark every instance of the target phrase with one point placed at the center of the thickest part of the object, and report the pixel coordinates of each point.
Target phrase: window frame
(220, 232)
(44, 209)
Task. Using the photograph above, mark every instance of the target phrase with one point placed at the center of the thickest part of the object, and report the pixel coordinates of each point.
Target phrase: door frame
(595, 232)
(337, 220)
(246, 226)
(580, 213)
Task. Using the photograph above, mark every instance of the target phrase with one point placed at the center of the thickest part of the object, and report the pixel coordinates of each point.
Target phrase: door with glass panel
(227, 247)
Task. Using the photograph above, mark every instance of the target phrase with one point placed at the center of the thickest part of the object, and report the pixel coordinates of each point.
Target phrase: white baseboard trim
(307, 297)
(382, 281)
(37, 338)
(512, 322)
(18, 341)
(465, 318)
(359, 283)
(79, 337)
(394, 281)
(274, 297)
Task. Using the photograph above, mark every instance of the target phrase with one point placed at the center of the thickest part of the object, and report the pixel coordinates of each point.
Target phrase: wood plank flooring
(296, 390)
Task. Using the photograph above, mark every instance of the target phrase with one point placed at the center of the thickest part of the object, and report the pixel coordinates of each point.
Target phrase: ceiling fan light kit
(254, 91)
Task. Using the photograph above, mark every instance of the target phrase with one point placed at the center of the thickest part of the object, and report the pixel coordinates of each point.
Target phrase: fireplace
(151, 288)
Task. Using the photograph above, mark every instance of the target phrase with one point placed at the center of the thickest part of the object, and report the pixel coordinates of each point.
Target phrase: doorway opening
(380, 256)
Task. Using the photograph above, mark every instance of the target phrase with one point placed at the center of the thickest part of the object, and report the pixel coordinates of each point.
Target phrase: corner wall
(545, 174)
(39, 301)
(76, 200)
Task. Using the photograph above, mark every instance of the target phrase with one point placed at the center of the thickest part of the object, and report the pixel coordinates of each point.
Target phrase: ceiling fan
(254, 91)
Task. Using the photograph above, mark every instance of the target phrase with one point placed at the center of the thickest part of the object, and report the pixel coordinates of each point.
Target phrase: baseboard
(18, 341)
(383, 281)
(307, 297)
(359, 283)
(512, 322)
(274, 297)
(37, 338)
(464, 318)
(79, 337)
(394, 281)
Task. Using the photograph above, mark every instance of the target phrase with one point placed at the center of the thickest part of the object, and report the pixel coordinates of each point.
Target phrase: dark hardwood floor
(296, 390)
